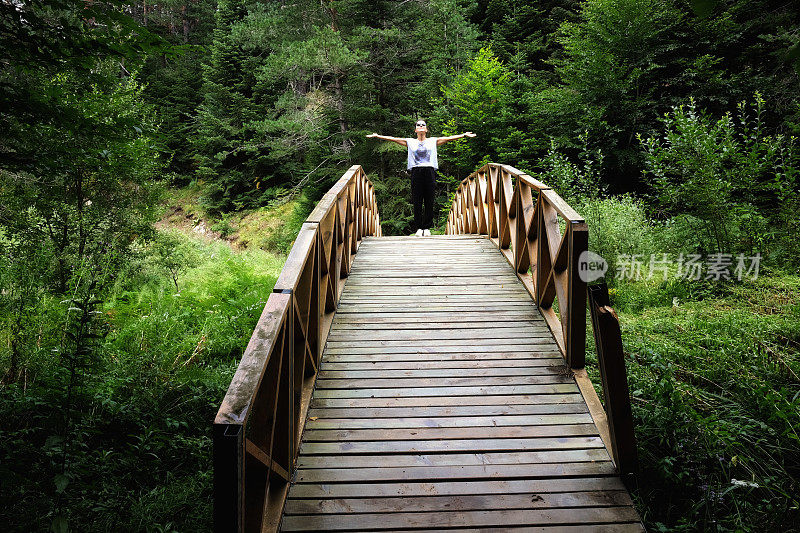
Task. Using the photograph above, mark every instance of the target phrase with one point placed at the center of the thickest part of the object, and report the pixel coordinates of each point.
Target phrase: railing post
(228, 457)
(542, 267)
(286, 412)
(611, 360)
(575, 341)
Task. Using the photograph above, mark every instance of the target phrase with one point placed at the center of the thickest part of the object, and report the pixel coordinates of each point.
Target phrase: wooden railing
(523, 217)
(259, 424)
(544, 239)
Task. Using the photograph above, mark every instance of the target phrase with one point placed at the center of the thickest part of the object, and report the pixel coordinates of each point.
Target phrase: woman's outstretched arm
(398, 140)
(442, 140)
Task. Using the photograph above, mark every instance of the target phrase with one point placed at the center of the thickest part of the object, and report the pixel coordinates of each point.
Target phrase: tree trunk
(337, 87)
(79, 204)
(185, 24)
(338, 75)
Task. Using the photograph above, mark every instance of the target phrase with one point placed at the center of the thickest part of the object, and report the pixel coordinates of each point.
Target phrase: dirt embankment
(176, 218)
(242, 230)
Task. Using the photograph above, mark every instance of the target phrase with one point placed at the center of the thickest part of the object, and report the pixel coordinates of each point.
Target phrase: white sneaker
(419, 233)
(426, 233)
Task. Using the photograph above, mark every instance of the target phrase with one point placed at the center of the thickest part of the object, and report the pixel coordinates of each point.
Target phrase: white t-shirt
(422, 154)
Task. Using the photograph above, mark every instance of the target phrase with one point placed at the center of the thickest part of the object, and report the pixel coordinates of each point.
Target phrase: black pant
(423, 189)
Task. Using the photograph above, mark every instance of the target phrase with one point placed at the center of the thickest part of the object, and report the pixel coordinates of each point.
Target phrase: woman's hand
(469, 134)
(372, 135)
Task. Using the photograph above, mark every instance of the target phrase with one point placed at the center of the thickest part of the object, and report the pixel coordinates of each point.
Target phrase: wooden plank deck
(443, 403)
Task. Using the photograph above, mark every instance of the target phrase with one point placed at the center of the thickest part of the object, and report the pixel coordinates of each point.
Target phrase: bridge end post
(228, 458)
(576, 295)
(614, 376)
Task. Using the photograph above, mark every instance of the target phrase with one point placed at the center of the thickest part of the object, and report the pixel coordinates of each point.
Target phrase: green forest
(157, 160)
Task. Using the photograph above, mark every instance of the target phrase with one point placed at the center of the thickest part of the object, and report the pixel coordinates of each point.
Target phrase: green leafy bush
(716, 403)
(727, 181)
(618, 226)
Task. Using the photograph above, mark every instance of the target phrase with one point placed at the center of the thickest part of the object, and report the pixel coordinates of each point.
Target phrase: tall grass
(716, 401)
(713, 371)
(139, 449)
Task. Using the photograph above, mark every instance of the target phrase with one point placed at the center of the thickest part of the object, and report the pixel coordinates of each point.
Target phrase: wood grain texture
(442, 402)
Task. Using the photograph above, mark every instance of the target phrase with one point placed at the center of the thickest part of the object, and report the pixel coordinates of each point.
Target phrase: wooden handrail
(258, 426)
(524, 218)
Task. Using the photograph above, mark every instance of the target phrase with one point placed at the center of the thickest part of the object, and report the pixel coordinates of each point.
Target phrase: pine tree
(171, 80)
(228, 164)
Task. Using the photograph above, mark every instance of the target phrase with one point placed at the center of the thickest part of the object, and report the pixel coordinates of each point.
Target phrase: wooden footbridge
(430, 383)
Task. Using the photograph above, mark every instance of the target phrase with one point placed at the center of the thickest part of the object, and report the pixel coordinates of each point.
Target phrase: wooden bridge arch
(442, 387)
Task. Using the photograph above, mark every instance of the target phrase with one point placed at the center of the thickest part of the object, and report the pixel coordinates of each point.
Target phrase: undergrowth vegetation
(713, 374)
(128, 447)
(713, 352)
(713, 370)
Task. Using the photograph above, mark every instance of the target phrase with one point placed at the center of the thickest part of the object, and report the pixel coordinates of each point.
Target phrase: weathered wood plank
(501, 432)
(505, 518)
(430, 307)
(482, 371)
(446, 317)
(436, 262)
(449, 422)
(377, 273)
(590, 455)
(476, 299)
(434, 279)
(444, 411)
(464, 249)
(433, 401)
(443, 488)
(348, 327)
(521, 364)
(450, 445)
(449, 354)
(415, 253)
(514, 332)
(484, 282)
(449, 291)
(476, 344)
(412, 473)
(485, 381)
(628, 527)
(511, 390)
(459, 503)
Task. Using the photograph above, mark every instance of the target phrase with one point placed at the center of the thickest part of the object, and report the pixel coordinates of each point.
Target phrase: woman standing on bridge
(423, 160)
